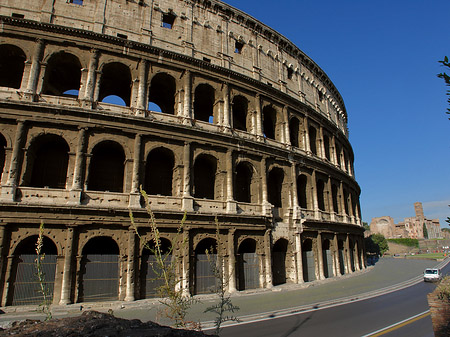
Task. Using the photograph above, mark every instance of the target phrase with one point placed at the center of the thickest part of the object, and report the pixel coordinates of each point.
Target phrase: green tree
(381, 242)
(366, 226)
(446, 78)
(425, 231)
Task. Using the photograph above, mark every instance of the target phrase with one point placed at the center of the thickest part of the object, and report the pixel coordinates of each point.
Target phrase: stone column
(91, 79)
(188, 200)
(298, 244)
(66, 286)
(33, 78)
(287, 136)
(9, 263)
(337, 262)
(231, 262)
(186, 262)
(268, 254)
(348, 256)
(259, 131)
(267, 208)
(295, 206)
(135, 195)
(307, 142)
(142, 89)
(321, 144)
(98, 79)
(77, 183)
(187, 108)
(320, 256)
(315, 200)
(130, 265)
(231, 204)
(226, 106)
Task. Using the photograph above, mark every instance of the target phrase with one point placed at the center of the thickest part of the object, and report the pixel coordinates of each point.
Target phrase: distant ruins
(219, 116)
(411, 227)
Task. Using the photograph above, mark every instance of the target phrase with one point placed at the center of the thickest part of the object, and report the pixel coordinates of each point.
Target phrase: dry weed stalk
(43, 288)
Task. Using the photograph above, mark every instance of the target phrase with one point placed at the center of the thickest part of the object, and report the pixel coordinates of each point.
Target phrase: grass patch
(429, 256)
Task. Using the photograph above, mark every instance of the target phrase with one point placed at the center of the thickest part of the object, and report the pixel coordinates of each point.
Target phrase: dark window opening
(247, 272)
(48, 159)
(204, 103)
(346, 199)
(243, 174)
(312, 140)
(290, 73)
(239, 110)
(2, 155)
(294, 127)
(168, 20)
(106, 170)
(238, 46)
(308, 261)
(16, 15)
(279, 261)
(334, 194)
(12, 63)
(162, 94)
(204, 177)
(320, 95)
(206, 59)
(122, 36)
(159, 172)
(269, 122)
(274, 186)
(320, 194)
(76, 2)
(63, 73)
(115, 80)
(338, 155)
(302, 185)
(326, 145)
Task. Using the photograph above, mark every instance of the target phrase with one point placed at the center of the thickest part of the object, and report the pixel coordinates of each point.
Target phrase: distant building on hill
(412, 227)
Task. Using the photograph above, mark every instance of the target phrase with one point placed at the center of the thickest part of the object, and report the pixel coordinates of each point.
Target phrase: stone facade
(212, 113)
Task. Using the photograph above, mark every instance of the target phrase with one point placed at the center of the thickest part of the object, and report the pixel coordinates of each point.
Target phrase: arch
(346, 201)
(247, 272)
(326, 145)
(12, 64)
(302, 188)
(352, 254)
(275, 180)
(239, 108)
(25, 288)
(243, 180)
(341, 257)
(106, 170)
(47, 162)
(2, 155)
(313, 139)
(204, 99)
(115, 80)
(279, 255)
(327, 258)
(150, 270)
(320, 186)
(162, 93)
(334, 196)
(63, 73)
(204, 279)
(205, 168)
(309, 266)
(99, 270)
(269, 122)
(294, 127)
(159, 172)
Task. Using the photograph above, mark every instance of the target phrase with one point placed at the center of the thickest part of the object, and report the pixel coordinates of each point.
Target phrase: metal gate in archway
(309, 267)
(341, 261)
(27, 288)
(248, 264)
(151, 276)
(100, 278)
(327, 263)
(205, 280)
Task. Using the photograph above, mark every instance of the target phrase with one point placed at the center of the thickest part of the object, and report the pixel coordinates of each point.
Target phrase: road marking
(398, 325)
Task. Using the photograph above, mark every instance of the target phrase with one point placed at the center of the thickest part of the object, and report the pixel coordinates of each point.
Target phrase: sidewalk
(387, 272)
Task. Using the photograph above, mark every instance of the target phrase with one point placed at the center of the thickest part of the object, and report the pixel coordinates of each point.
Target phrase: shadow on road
(299, 322)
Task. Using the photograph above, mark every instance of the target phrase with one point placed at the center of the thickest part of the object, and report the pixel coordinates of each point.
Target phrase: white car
(432, 275)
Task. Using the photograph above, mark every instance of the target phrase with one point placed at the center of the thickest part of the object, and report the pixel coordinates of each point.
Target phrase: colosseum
(213, 113)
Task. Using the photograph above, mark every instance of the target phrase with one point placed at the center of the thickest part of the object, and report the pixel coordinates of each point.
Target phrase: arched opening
(327, 259)
(159, 172)
(47, 160)
(338, 154)
(320, 185)
(352, 254)
(115, 80)
(107, 167)
(2, 155)
(114, 99)
(99, 271)
(204, 103)
(151, 273)
(294, 127)
(269, 122)
(25, 286)
(346, 201)
(12, 64)
(313, 140)
(162, 94)
(274, 186)
(341, 257)
(302, 188)
(309, 266)
(247, 265)
(243, 180)
(279, 255)
(334, 195)
(205, 168)
(205, 281)
(62, 74)
(326, 145)
(239, 109)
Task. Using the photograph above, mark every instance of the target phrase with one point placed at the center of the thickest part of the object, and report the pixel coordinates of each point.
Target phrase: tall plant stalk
(43, 288)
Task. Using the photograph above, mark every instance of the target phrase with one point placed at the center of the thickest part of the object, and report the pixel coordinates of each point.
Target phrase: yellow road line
(399, 324)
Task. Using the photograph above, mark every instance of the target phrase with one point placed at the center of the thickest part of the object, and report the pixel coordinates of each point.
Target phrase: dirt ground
(94, 323)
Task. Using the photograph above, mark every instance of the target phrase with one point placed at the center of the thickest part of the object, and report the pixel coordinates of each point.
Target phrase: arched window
(107, 167)
(248, 265)
(47, 161)
(327, 259)
(302, 185)
(269, 122)
(62, 75)
(204, 103)
(320, 194)
(308, 262)
(313, 140)
(159, 172)
(279, 255)
(205, 280)
(162, 94)
(274, 186)
(205, 168)
(115, 81)
(243, 180)
(12, 63)
(240, 109)
(294, 127)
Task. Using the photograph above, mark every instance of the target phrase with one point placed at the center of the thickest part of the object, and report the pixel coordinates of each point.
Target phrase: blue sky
(383, 58)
